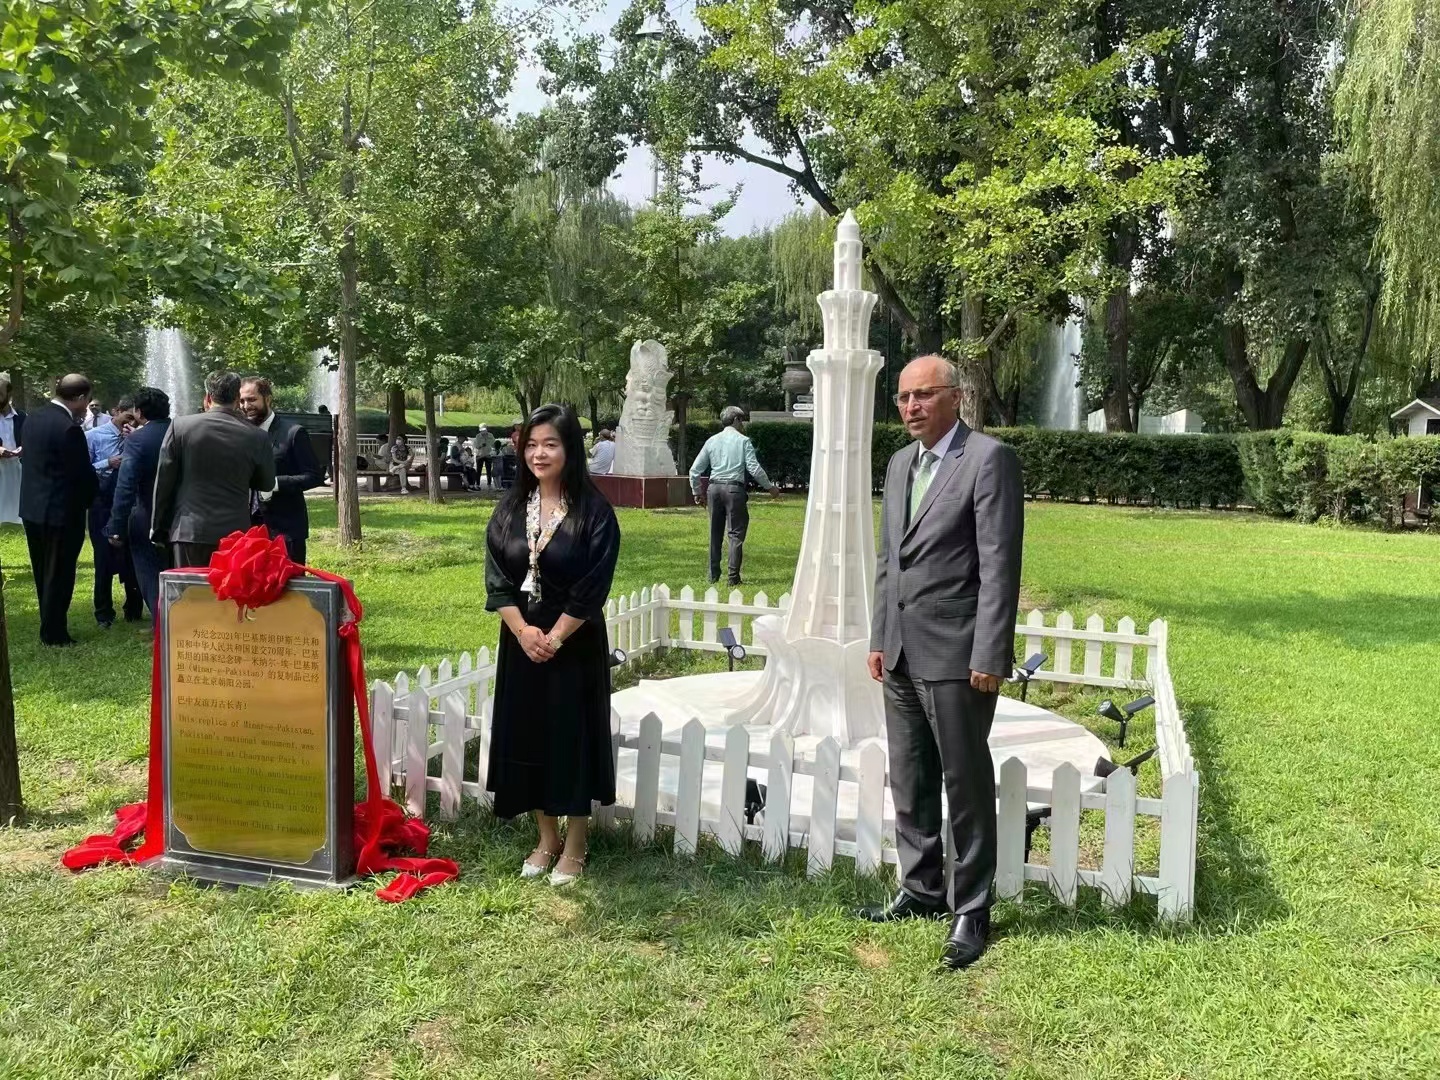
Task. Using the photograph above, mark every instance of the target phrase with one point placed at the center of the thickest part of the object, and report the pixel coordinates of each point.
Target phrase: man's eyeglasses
(921, 395)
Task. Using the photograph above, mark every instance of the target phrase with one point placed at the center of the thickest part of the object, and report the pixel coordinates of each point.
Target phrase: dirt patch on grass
(871, 955)
(438, 1039)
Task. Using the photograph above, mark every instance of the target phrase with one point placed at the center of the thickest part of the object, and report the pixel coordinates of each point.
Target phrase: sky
(765, 196)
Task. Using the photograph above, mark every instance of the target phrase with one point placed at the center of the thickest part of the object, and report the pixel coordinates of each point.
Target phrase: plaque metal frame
(332, 865)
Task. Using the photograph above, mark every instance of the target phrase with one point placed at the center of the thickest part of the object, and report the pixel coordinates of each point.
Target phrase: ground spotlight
(1123, 714)
(1033, 820)
(1026, 671)
(754, 800)
(733, 649)
(1104, 766)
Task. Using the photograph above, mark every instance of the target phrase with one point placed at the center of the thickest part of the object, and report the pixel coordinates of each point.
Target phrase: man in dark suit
(282, 511)
(57, 487)
(209, 465)
(129, 524)
(947, 587)
(106, 442)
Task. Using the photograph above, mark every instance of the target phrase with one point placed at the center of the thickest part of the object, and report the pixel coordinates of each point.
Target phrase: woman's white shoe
(529, 869)
(560, 877)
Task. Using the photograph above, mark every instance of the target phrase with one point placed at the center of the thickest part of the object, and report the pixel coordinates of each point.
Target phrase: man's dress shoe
(902, 906)
(967, 940)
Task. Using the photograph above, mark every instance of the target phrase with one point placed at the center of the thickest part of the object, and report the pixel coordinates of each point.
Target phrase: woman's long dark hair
(574, 478)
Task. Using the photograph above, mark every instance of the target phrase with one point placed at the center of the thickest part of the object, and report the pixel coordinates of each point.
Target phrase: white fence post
(730, 829)
(1094, 650)
(1177, 845)
(382, 728)
(1117, 873)
(1063, 621)
(687, 617)
(710, 621)
(647, 778)
(1065, 832)
(870, 810)
(452, 756)
(1010, 831)
(662, 616)
(689, 788)
(1124, 653)
(604, 816)
(417, 750)
(1032, 641)
(821, 842)
(778, 794)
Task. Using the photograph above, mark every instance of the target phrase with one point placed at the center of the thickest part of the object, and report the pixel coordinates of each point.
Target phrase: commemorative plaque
(258, 738)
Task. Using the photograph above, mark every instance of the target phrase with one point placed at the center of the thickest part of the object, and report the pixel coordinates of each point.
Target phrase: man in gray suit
(947, 586)
(209, 464)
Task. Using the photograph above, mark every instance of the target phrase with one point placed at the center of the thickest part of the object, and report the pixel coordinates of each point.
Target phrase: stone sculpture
(642, 441)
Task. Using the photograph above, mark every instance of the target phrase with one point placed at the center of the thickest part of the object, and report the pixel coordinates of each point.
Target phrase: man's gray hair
(5, 380)
(952, 370)
(223, 387)
(731, 415)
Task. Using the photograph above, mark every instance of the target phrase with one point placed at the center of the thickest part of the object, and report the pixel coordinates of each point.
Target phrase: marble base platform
(644, 492)
(1041, 739)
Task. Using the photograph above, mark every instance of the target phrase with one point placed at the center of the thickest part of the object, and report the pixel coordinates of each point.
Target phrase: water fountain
(170, 367)
(1060, 407)
(324, 382)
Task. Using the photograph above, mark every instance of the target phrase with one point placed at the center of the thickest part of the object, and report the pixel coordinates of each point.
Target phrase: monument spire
(815, 680)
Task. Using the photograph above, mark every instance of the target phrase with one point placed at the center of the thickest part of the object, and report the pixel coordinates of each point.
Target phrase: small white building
(1420, 417)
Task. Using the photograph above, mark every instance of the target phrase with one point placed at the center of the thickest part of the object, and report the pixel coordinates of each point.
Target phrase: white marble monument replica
(642, 443)
(815, 684)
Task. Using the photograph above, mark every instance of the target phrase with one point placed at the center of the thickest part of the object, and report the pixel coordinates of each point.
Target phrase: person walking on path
(57, 488)
(551, 548)
(209, 465)
(728, 458)
(947, 588)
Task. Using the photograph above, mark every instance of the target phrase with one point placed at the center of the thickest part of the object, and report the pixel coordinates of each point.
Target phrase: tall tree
(1388, 112)
(77, 78)
(359, 82)
(965, 135)
(683, 309)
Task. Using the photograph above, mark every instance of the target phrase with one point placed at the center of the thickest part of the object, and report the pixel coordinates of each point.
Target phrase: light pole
(656, 36)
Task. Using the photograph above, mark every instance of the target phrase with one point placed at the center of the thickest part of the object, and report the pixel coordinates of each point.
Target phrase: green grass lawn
(1306, 661)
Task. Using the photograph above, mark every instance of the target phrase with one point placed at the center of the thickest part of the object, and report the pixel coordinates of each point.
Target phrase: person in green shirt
(728, 458)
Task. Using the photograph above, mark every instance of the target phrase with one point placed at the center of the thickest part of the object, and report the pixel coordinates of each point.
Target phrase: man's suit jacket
(209, 463)
(296, 472)
(57, 484)
(135, 486)
(947, 586)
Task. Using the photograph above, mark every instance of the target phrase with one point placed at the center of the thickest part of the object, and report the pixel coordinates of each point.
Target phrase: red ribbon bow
(252, 569)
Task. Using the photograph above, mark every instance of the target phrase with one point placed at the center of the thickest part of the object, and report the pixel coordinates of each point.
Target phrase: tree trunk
(594, 414)
(974, 381)
(682, 416)
(347, 486)
(12, 807)
(395, 411)
(1263, 408)
(434, 465)
(1117, 353)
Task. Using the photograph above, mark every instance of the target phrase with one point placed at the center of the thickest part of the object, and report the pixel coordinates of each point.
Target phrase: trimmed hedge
(1286, 473)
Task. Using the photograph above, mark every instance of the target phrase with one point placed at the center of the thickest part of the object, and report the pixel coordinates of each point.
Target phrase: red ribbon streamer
(252, 569)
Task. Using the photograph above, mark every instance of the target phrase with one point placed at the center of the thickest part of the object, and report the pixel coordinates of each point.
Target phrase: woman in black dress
(550, 557)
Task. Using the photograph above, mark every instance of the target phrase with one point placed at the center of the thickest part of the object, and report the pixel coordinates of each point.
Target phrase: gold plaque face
(248, 726)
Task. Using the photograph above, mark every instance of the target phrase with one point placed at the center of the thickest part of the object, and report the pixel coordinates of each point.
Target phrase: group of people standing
(151, 492)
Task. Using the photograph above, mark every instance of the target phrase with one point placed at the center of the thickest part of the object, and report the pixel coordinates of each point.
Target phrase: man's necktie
(921, 484)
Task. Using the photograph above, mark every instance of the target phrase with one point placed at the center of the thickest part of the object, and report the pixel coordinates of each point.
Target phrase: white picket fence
(456, 698)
